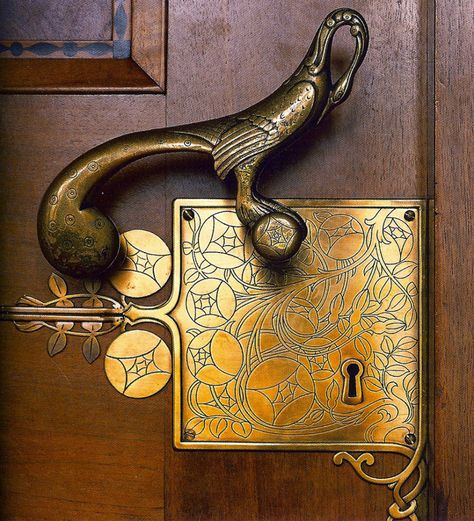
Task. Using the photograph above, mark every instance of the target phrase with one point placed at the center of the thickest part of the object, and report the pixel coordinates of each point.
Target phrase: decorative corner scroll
(404, 504)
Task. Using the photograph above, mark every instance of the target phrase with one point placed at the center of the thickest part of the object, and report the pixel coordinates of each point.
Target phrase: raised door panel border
(132, 61)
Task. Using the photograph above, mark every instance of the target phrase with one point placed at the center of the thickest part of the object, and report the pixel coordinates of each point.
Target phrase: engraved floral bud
(390, 327)
(379, 328)
(335, 308)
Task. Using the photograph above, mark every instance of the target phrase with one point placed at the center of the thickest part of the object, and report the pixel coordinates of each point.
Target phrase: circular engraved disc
(214, 357)
(138, 364)
(277, 236)
(147, 265)
(280, 391)
(210, 302)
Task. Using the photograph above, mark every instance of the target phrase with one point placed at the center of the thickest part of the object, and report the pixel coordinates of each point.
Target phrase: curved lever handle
(78, 240)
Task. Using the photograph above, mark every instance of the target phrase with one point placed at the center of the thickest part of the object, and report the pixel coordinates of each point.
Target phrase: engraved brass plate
(322, 352)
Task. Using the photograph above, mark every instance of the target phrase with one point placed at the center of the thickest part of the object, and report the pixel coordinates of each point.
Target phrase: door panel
(373, 146)
(73, 448)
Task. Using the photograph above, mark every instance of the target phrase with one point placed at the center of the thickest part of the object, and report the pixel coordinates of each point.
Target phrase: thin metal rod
(26, 313)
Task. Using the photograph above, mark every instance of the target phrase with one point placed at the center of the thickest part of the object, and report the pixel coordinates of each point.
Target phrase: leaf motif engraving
(92, 327)
(373, 371)
(191, 275)
(30, 301)
(387, 345)
(314, 417)
(343, 327)
(404, 270)
(217, 426)
(397, 370)
(372, 384)
(381, 361)
(92, 286)
(394, 326)
(64, 302)
(196, 425)
(187, 247)
(363, 347)
(64, 326)
(28, 327)
(361, 301)
(332, 394)
(207, 268)
(91, 349)
(335, 308)
(56, 343)
(193, 332)
(410, 381)
(397, 302)
(57, 285)
(410, 318)
(382, 288)
(404, 357)
(93, 302)
(407, 343)
(242, 429)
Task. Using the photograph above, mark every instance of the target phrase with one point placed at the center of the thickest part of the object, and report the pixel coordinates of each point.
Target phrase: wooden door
(73, 448)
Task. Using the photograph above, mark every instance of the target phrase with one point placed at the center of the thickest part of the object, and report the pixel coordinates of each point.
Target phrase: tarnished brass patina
(78, 240)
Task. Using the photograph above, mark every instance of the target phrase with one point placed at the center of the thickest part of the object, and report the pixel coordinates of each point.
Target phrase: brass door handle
(79, 240)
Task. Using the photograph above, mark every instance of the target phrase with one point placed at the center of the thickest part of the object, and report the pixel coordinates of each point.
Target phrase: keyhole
(352, 370)
(352, 390)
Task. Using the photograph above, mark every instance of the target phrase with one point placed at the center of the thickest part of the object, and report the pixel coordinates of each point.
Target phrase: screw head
(410, 439)
(409, 215)
(189, 435)
(188, 214)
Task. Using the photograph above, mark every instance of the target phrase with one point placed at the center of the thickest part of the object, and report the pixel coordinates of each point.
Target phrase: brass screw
(410, 439)
(409, 215)
(189, 435)
(188, 214)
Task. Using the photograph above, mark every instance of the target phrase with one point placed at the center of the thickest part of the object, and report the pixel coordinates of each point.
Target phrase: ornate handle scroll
(78, 240)
(319, 58)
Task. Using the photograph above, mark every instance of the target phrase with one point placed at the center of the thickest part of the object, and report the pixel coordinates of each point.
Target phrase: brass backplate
(323, 352)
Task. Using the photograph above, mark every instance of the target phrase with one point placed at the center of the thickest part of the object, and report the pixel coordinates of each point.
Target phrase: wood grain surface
(149, 48)
(454, 275)
(73, 448)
